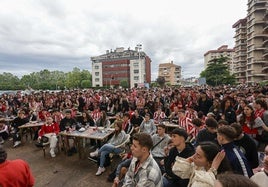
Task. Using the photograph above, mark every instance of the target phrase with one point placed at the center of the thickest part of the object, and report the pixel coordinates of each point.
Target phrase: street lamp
(139, 47)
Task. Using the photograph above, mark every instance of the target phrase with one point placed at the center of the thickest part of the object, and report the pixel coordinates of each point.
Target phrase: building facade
(222, 51)
(254, 60)
(240, 55)
(171, 72)
(131, 66)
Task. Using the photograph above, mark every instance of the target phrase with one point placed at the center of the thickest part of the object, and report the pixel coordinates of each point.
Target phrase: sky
(63, 34)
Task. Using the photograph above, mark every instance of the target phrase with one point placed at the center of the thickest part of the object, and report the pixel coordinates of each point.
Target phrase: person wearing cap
(14, 172)
(181, 149)
(238, 161)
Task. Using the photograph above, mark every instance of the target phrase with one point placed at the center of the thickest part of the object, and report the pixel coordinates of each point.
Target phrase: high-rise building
(240, 55)
(255, 66)
(171, 72)
(132, 66)
(222, 51)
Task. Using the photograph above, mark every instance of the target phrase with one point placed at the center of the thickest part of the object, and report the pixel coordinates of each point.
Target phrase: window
(136, 78)
(136, 71)
(97, 79)
(97, 73)
(96, 67)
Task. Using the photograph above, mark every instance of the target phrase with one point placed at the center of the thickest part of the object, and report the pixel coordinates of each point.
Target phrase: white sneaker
(2, 140)
(95, 153)
(52, 153)
(100, 171)
(16, 144)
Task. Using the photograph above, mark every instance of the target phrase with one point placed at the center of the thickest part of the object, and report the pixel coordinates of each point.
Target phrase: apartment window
(97, 79)
(97, 73)
(136, 71)
(136, 78)
(135, 64)
(96, 67)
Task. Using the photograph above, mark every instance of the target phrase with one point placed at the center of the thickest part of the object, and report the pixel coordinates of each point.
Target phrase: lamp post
(139, 47)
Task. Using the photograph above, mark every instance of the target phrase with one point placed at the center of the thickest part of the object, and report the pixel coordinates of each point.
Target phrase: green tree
(124, 84)
(217, 73)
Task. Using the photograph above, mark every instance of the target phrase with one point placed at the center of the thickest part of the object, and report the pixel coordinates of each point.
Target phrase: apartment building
(133, 66)
(240, 53)
(222, 51)
(171, 72)
(251, 65)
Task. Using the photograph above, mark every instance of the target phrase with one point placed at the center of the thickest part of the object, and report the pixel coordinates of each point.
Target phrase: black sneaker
(73, 150)
(69, 153)
(39, 144)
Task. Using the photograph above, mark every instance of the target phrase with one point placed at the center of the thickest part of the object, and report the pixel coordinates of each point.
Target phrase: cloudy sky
(63, 34)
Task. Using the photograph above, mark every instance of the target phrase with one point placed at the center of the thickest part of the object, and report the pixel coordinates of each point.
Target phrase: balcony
(260, 61)
(264, 68)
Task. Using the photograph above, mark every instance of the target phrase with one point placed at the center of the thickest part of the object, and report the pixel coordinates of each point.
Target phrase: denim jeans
(107, 149)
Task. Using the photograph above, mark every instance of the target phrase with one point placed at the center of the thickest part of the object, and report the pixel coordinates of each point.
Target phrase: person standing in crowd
(181, 149)
(18, 121)
(239, 163)
(160, 141)
(143, 170)
(14, 172)
(50, 130)
(202, 168)
(261, 178)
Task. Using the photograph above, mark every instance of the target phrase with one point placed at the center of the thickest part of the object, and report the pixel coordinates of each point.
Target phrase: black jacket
(171, 158)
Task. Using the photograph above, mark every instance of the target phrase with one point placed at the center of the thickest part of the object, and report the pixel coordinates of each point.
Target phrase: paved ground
(59, 171)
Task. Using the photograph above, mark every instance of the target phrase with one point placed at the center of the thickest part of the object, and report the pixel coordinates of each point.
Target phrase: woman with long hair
(228, 112)
(85, 119)
(103, 121)
(118, 138)
(251, 123)
(203, 167)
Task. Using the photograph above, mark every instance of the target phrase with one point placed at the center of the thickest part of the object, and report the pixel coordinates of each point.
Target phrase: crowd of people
(218, 130)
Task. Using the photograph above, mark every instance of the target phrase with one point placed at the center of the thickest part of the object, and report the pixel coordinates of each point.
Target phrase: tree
(217, 73)
(161, 81)
(124, 84)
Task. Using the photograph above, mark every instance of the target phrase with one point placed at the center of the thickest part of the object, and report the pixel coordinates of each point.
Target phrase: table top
(91, 133)
(170, 124)
(32, 124)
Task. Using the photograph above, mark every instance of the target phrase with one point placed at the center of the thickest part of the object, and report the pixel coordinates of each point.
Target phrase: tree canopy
(45, 79)
(217, 73)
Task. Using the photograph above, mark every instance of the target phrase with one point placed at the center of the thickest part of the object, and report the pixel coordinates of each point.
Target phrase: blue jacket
(237, 160)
